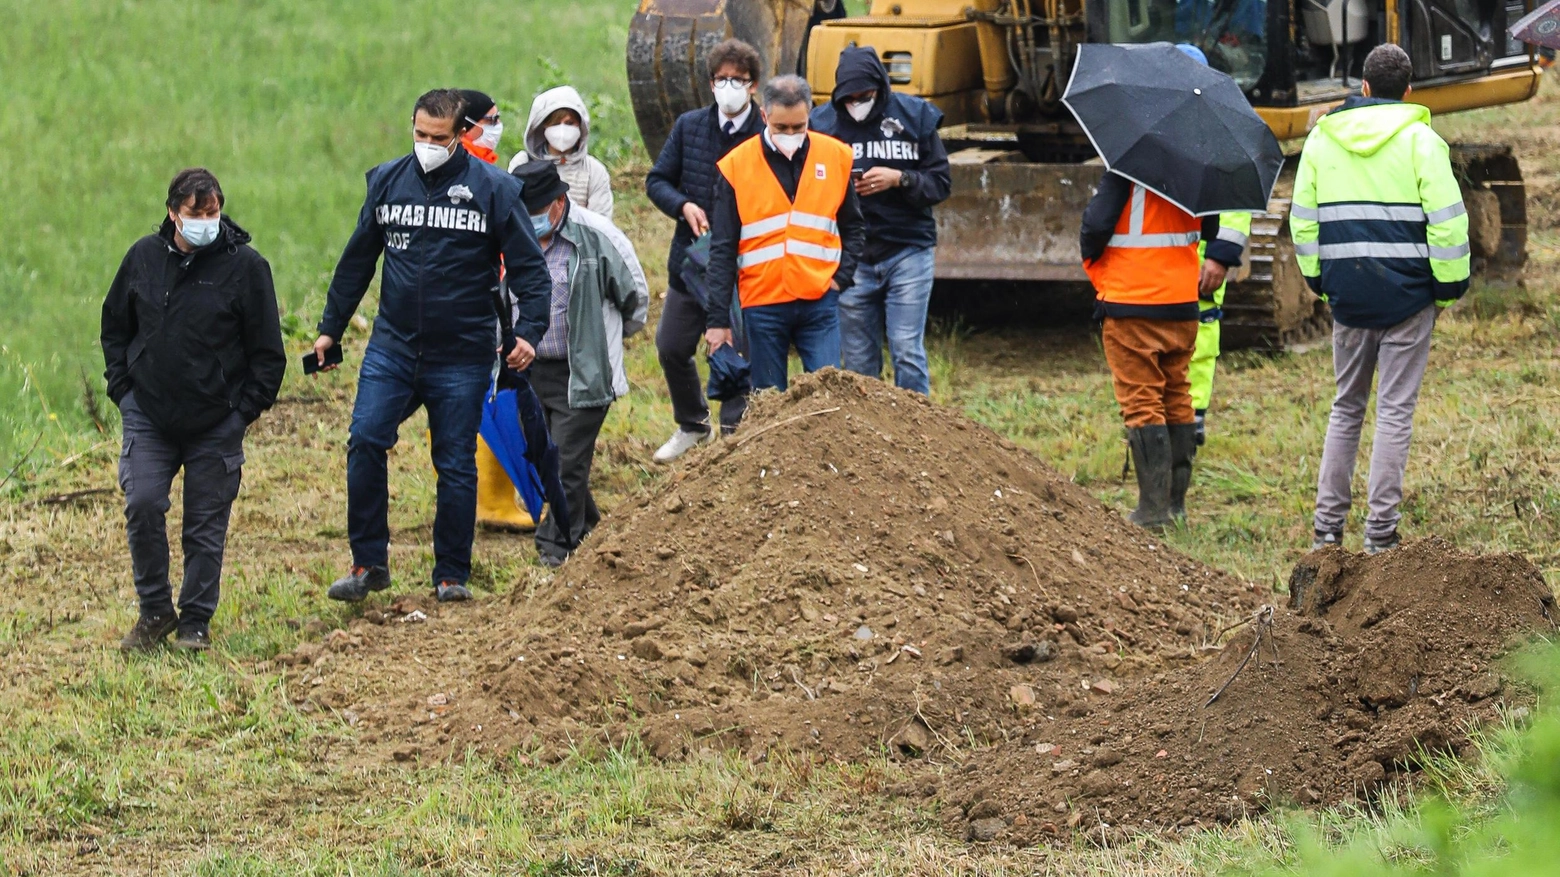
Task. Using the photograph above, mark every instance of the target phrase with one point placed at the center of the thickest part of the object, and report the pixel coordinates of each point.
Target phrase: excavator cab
(1022, 168)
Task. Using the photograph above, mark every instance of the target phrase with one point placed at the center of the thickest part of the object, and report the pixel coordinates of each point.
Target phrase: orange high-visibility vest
(1152, 257)
(788, 250)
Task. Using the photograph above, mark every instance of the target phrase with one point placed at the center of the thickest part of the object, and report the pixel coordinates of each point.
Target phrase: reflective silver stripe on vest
(1135, 239)
(1445, 213)
(765, 226)
(1311, 249)
(812, 251)
(1234, 236)
(1371, 250)
(815, 222)
(1300, 211)
(1449, 253)
(1372, 212)
(761, 255)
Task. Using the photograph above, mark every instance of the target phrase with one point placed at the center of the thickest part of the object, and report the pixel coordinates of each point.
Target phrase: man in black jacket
(682, 185)
(904, 173)
(441, 219)
(193, 353)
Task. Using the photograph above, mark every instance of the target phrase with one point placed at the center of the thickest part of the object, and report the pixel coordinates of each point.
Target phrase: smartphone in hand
(311, 362)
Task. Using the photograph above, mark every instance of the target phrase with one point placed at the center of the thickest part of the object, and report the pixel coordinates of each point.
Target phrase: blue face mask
(199, 232)
(541, 223)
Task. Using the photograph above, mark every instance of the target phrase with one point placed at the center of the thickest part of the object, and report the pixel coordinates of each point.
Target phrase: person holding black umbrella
(1140, 252)
(1146, 109)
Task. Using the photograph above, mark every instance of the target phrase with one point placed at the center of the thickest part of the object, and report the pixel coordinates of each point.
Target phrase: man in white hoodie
(559, 131)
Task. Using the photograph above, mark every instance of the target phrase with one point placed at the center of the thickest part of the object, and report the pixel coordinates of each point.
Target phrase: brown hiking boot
(194, 636)
(149, 632)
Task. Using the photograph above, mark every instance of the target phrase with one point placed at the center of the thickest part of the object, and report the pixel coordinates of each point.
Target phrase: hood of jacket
(230, 234)
(1363, 125)
(859, 70)
(564, 97)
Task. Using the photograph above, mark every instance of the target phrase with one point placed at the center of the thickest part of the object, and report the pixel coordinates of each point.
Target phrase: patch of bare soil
(1376, 662)
(857, 570)
(860, 571)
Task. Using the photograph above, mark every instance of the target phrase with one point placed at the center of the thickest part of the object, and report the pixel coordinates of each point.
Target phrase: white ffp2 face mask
(431, 155)
(860, 111)
(490, 135)
(731, 98)
(787, 144)
(562, 137)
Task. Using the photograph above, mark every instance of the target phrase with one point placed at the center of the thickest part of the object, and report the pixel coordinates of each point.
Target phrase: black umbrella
(1178, 128)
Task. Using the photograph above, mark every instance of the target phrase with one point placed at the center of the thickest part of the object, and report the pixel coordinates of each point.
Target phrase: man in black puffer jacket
(904, 174)
(193, 353)
(682, 185)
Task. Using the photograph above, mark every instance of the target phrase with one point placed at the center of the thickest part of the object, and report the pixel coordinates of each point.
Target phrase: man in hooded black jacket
(904, 173)
(193, 352)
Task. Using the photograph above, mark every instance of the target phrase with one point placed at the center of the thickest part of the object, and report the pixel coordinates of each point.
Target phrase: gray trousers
(574, 431)
(213, 467)
(1400, 354)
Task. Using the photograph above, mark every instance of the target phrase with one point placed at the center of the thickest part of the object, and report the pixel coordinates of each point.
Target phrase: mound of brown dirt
(857, 569)
(1377, 661)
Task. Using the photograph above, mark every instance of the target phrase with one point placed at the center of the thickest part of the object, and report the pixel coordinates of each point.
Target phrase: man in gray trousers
(193, 349)
(1381, 234)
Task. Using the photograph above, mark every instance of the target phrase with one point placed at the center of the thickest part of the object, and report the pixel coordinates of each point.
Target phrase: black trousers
(574, 431)
(213, 465)
(677, 339)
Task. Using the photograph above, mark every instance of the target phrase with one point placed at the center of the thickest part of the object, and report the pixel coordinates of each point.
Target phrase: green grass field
(167, 765)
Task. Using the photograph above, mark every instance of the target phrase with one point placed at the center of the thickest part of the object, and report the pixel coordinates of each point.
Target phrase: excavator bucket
(668, 39)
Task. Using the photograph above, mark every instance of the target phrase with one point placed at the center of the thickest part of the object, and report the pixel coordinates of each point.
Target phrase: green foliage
(287, 102)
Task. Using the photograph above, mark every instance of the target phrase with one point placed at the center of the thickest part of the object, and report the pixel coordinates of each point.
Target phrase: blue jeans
(391, 387)
(890, 295)
(813, 326)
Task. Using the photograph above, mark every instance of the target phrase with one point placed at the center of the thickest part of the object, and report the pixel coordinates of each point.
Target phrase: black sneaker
(194, 636)
(551, 561)
(451, 592)
(1322, 540)
(355, 586)
(149, 631)
(1385, 543)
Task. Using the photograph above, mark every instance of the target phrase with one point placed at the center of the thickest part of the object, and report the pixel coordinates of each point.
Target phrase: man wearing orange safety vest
(1141, 253)
(785, 233)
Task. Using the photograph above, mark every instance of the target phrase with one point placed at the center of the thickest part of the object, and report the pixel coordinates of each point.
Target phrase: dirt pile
(856, 569)
(1376, 661)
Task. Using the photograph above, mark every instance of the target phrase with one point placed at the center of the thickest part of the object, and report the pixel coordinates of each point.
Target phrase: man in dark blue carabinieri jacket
(442, 220)
(904, 173)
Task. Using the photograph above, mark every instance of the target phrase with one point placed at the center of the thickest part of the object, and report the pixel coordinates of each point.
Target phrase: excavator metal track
(667, 42)
(1272, 307)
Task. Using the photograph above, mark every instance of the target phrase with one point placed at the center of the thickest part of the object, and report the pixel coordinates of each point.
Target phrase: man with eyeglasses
(682, 185)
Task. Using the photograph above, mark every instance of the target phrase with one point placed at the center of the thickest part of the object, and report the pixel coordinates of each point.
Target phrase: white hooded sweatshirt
(590, 186)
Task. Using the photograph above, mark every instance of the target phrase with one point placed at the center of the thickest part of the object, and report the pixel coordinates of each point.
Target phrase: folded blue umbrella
(515, 428)
(731, 376)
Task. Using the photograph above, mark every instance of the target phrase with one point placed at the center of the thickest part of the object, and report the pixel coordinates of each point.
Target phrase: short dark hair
(444, 103)
(737, 54)
(1388, 70)
(197, 183)
(789, 90)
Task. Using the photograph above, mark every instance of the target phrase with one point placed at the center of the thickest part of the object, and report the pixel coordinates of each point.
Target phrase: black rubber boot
(1151, 456)
(1183, 450)
(1202, 427)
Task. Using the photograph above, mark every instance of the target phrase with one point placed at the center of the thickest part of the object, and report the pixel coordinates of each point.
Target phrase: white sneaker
(681, 443)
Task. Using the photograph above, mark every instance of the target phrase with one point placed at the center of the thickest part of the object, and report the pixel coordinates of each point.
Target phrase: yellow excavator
(1022, 168)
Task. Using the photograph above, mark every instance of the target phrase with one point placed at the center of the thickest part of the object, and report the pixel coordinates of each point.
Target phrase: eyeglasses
(490, 119)
(729, 81)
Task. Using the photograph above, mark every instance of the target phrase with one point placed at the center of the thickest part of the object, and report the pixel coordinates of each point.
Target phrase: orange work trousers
(1149, 361)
